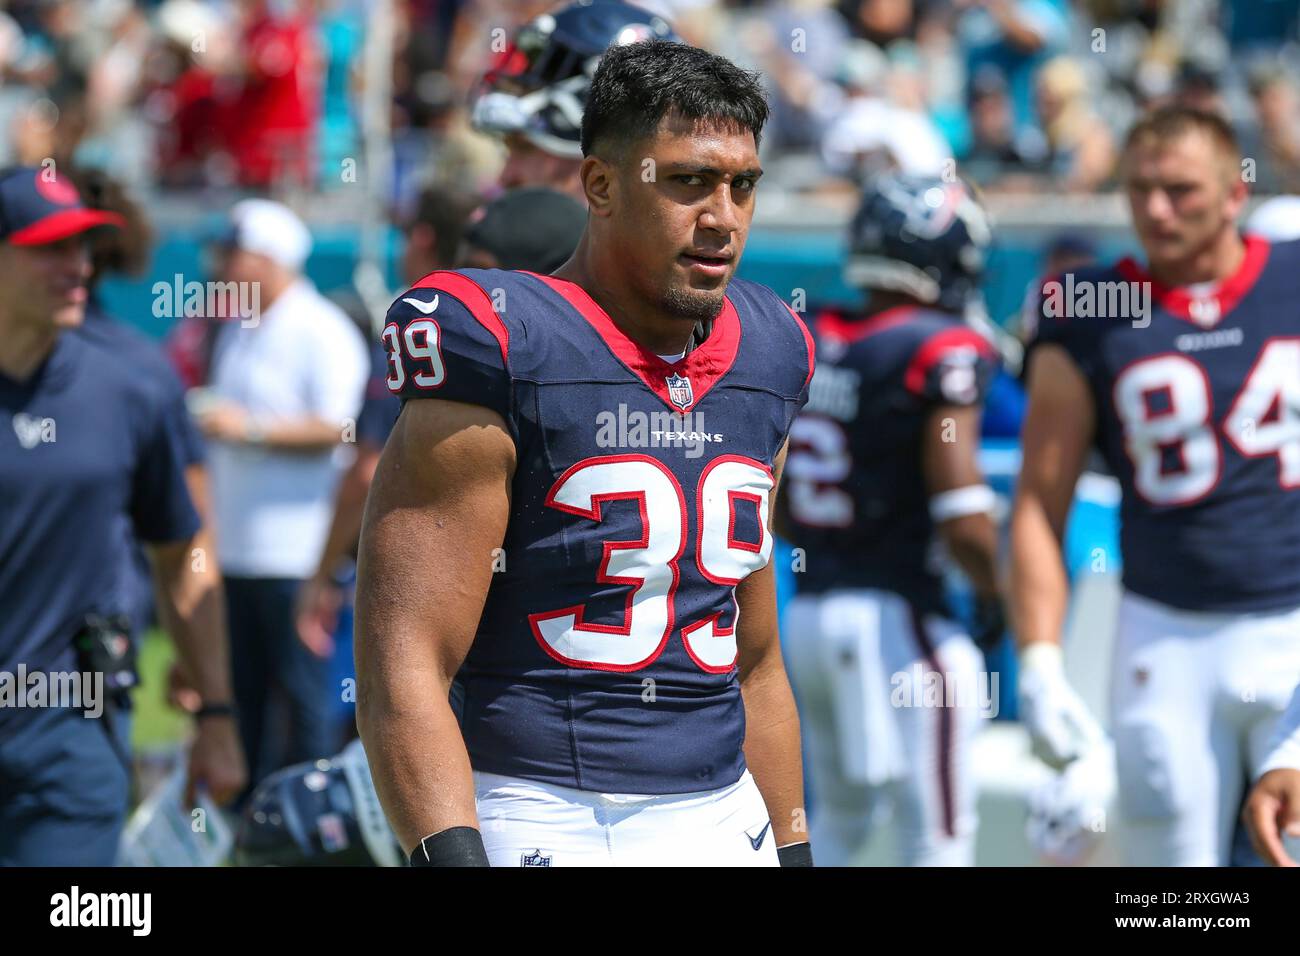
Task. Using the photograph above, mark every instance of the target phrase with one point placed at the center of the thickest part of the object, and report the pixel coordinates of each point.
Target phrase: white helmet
(1277, 219)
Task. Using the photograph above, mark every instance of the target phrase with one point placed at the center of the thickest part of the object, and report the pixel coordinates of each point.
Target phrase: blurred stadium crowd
(267, 94)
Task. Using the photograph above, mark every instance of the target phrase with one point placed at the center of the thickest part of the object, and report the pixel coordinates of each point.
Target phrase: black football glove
(989, 624)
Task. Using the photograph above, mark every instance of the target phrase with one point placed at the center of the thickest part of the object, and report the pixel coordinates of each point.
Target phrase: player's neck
(24, 347)
(640, 321)
(1215, 263)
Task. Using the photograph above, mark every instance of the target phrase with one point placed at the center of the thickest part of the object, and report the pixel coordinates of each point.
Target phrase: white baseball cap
(269, 228)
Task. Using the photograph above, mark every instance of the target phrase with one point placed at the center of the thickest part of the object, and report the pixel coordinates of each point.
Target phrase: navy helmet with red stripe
(321, 813)
(538, 84)
(922, 236)
(38, 206)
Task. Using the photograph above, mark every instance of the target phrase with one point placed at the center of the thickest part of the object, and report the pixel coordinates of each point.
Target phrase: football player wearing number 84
(567, 653)
(1195, 408)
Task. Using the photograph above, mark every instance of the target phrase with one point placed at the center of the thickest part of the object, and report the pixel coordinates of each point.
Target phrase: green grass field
(157, 726)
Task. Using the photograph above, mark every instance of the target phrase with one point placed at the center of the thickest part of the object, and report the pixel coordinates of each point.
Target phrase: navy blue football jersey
(605, 656)
(855, 497)
(1198, 415)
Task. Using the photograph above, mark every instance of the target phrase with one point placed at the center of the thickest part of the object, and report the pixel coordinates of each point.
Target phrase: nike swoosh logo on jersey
(757, 842)
(425, 307)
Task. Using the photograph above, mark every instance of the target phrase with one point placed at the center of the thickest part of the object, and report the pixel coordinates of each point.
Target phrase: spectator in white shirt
(287, 383)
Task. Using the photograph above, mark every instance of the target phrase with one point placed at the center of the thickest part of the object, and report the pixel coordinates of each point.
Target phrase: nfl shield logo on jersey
(534, 859)
(679, 391)
(1205, 312)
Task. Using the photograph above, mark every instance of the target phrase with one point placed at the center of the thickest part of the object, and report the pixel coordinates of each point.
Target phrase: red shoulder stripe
(934, 348)
(476, 299)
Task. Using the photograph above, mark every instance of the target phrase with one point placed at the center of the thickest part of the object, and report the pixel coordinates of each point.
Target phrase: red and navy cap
(38, 206)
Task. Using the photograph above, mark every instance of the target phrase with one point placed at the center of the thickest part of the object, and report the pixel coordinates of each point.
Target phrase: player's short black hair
(636, 85)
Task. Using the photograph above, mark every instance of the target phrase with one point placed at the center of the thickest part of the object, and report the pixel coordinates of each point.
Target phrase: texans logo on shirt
(30, 430)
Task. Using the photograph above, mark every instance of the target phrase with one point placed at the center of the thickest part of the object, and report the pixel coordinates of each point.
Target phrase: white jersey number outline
(819, 460)
(420, 340)
(1263, 420)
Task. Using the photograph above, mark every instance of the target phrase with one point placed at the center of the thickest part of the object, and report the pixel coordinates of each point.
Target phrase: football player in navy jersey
(882, 471)
(571, 519)
(1184, 372)
(533, 96)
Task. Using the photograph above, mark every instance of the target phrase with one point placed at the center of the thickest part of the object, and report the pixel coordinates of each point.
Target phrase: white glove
(1059, 723)
(1067, 814)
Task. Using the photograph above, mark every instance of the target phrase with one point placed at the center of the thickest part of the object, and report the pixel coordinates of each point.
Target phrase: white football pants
(1195, 697)
(526, 823)
(889, 702)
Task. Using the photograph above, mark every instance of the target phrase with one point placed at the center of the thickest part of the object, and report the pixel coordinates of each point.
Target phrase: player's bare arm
(772, 749)
(961, 506)
(438, 507)
(956, 487)
(320, 598)
(1272, 809)
(192, 608)
(182, 691)
(1057, 432)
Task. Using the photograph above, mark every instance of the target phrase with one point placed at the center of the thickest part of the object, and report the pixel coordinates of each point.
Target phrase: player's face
(526, 165)
(682, 229)
(1182, 194)
(47, 283)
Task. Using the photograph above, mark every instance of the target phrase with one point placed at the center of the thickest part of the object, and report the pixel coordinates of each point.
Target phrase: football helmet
(538, 84)
(323, 813)
(922, 236)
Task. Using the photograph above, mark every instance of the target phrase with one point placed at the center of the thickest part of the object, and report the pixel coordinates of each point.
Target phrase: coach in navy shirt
(83, 442)
(125, 250)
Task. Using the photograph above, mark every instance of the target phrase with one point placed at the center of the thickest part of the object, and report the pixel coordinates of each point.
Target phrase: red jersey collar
(691, 376)
(1208, 310)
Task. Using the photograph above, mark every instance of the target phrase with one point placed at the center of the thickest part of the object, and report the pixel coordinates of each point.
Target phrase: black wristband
(455, 846)
(796, 854)
(215, 710)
